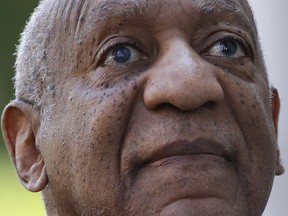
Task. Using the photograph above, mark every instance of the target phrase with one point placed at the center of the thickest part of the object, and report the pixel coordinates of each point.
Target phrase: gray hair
(32, 70)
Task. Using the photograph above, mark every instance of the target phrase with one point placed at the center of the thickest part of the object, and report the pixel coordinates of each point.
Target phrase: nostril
(209, 104)
(164, 106)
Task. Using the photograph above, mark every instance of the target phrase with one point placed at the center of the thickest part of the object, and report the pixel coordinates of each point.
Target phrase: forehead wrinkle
(71, 12)
(81, 16)
(67, 14)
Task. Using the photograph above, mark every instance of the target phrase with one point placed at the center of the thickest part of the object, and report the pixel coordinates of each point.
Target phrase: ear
(275, 105)
(20, 123)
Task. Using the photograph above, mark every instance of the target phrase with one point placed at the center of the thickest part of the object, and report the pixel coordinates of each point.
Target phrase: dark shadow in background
(13, 16)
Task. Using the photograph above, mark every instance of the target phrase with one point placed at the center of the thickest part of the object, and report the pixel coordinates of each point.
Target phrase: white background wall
(272, 20)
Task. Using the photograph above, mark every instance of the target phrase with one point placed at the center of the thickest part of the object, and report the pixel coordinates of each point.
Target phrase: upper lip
(185, 147)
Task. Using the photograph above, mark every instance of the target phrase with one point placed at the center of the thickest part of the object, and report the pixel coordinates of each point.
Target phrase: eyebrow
(127, 8)
(97, 13)
(232, 7)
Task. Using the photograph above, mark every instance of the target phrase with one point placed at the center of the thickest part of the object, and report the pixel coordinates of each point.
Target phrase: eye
(227, 48)
(122, 54)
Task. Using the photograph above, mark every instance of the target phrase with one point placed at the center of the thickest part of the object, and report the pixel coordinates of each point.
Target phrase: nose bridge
(181, 78)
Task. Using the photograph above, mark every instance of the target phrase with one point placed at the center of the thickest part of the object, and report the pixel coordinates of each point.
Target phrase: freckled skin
(110, 126)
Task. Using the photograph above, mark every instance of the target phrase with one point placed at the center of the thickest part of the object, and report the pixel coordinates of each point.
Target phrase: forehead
(102, 10)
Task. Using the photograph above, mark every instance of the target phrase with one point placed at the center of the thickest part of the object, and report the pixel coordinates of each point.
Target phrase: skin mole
(82, 18)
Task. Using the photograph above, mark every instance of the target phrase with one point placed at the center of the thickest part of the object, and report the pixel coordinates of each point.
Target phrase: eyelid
(113, 43)
(220, 36)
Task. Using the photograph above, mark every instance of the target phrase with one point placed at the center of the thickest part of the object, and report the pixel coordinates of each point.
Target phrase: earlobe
(37, 177)
(275, 105)
(19, 127)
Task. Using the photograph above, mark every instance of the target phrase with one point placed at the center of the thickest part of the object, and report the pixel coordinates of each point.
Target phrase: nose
(182, 79)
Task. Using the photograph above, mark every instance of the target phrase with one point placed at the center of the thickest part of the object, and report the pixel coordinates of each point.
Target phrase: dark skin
(185, 125)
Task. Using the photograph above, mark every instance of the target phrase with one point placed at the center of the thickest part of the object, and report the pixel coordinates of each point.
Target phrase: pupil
(121, 54)
(228, 48)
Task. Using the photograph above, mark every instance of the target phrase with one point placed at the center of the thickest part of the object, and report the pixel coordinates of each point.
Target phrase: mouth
(189, 168)
(182, 149)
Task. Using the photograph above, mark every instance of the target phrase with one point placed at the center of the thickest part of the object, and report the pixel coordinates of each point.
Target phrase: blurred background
(14, 199)
(272, 20)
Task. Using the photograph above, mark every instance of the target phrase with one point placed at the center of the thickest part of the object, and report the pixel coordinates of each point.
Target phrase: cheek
(253, 114)
(250, 108)
(82, 145)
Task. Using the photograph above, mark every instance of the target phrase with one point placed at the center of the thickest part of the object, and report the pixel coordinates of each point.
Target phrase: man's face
(164, 110)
